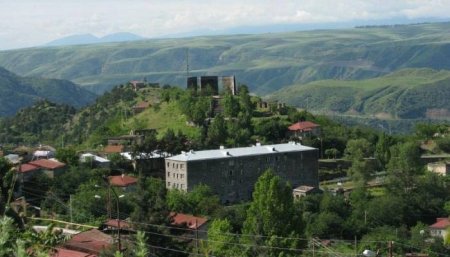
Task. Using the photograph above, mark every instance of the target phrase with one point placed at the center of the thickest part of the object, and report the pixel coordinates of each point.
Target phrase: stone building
(232, 173)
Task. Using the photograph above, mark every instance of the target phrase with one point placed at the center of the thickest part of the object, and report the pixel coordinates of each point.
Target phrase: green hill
(265, 62)
(18, 92)
(405, 94)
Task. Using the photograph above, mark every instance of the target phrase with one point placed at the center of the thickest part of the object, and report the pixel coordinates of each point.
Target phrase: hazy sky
(35, 22)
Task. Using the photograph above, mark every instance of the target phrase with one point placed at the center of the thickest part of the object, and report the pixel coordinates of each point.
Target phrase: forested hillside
(18, 92)
(405, 94)
(265, 62)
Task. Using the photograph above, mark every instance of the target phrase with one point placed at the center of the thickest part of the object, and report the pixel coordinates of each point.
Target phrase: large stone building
(232, 173)
(215, 84)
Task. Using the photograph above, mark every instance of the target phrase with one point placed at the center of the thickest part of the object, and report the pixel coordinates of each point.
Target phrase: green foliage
(67, 155)
(217, 132)
(199, 201)
(7, 236)
(382, 150)
(220, 240)
(40, 123)
(19, 92)
(141, 249)
(272, 215)
(444, 144)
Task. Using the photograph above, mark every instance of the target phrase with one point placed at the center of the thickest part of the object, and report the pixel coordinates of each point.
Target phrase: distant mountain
(405, 94)
(264, 62)
(85, 39)
(18, 92)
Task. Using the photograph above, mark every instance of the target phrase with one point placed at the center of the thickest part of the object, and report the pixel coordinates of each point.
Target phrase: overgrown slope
(407, 94)
(18, 92)
(265, 62)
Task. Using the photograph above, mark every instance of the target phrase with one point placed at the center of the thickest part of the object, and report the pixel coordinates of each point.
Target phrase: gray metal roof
(241, 151)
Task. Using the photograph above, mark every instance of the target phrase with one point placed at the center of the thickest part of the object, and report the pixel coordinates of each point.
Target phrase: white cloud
(31, 22)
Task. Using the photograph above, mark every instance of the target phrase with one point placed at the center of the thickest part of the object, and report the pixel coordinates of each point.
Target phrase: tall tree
(221, 241)
(382, 150)
(217, 131)
(272, 218)
(356, 151)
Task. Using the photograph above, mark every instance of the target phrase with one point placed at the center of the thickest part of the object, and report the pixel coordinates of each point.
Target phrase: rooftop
(192, 222)
(61, 252)
(441, 223)
(241, 151)
(92, 241)
(47, 164)
(24, 168)
(303, 125)
(96, 158)
(122, 180)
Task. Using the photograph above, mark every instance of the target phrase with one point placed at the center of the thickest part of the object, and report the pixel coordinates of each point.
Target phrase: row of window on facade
(175, 165)
(175, 185)
(175, 175)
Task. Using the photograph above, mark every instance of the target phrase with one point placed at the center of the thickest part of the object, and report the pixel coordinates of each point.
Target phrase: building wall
(176, 175)
(233, 179)
(439, 168)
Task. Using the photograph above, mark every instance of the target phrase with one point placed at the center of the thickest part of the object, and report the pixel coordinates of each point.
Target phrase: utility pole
(70, 206)
(356, 247)
(390, 243)
(196, 236)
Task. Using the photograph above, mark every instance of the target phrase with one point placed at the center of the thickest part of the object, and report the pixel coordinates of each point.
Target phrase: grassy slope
(407, 93)
(265, 62)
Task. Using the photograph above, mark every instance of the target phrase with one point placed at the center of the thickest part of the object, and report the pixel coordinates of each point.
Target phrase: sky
(26, 23)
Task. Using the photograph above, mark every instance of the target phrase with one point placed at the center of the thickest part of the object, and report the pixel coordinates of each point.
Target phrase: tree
(6, 175)
(382, 150)
(332, 153)
(199, 201)
(221, 241)
(356, 151)
(230, 105)
(245, 101)
(272, 215)
(67, 155)
(217, 131)
(150, 208)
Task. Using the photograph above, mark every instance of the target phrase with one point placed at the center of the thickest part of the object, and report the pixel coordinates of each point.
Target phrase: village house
(90, 242)
(439, 229)
(304, 129)
(140, 107)
(127, 183)
(301, 191)
(197, 226)
(95, 161)
(441, 168)
(232, 173)
(50, 167)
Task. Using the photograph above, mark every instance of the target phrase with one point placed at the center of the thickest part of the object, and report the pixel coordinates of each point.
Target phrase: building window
(181, 186)
(168, 184)
(181, 166)
(231, 173)
(168, 164)
(168, 174)
(181, 176)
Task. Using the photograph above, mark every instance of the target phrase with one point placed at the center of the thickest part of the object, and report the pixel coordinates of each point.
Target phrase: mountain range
(407, 63)
(84, 39)
(17, 92)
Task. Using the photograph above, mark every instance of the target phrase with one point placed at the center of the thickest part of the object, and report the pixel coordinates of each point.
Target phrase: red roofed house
(126, 182)
(439, 229)
(92, 241)
(140, 107)
(109, 149)
(303, 129)
(61, 252)
(48, 167)
(193, 223)
(113, 224)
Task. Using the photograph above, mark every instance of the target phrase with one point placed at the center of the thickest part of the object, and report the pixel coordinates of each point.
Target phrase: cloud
(30, 22)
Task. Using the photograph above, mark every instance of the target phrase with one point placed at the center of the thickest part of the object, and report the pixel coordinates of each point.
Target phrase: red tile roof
(441, 223)
(142, 105)
(303, 126)
(113, 149)
(115, 224)
(122, 180)
(47, 164)
(192, 222)
(92, 241)
(61, 252)
(24, 168)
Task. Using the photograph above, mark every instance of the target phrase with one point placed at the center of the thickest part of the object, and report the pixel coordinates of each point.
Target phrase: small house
(127, 183)
(439, 228)
(301, 191)
(303, 129)
(441, 168)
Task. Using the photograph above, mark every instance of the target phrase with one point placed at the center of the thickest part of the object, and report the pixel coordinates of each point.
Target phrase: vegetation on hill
(265, 62)
(42, 122)
(405, 94)
(18, 92)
